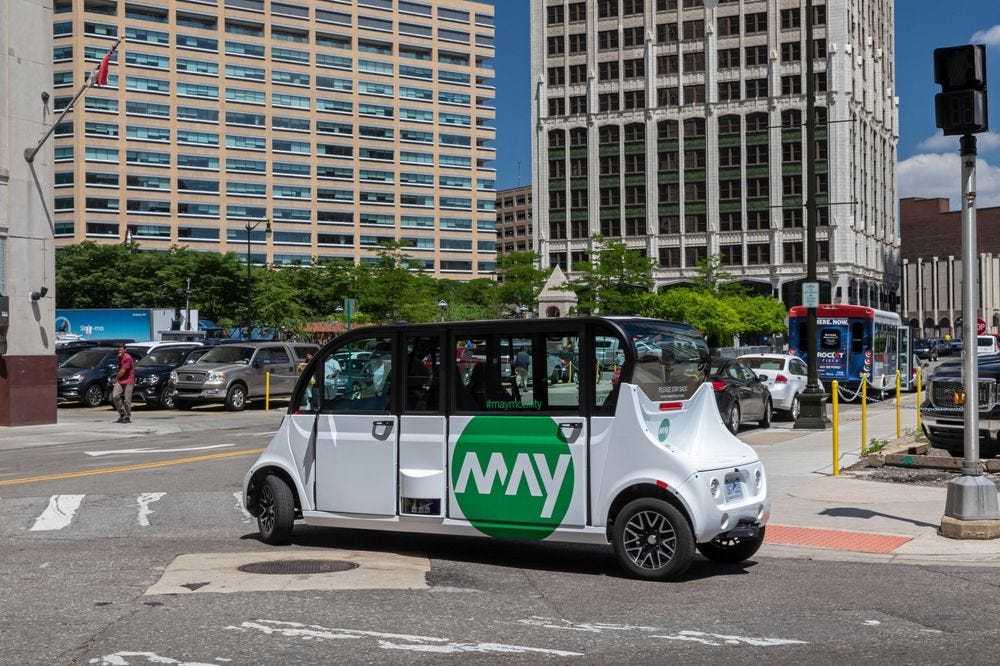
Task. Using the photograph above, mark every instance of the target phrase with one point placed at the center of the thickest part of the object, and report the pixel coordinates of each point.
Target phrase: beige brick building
(345, 123)
(514, 220)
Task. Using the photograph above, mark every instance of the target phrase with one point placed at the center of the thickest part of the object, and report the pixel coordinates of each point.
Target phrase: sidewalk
(815, 515)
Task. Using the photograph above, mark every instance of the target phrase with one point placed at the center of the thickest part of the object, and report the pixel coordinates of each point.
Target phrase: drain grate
(298, 567)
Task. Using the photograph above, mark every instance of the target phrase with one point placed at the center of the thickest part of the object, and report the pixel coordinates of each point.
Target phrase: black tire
(93, 396)
(356, 391)
(276, 511)
(183, 405)
(652, 540)
(796, 408)
(733, 418)
(731, 551)
(236, 398)
(166, 398)
(765, 422)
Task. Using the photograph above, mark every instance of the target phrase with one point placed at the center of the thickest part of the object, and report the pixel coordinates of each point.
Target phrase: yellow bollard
(899, 413)
(918, 399)
(864, 414)
(267, 391)
(836, 428)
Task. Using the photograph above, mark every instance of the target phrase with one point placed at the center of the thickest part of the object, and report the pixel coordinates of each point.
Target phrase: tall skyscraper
(344, 122)
(678, 127)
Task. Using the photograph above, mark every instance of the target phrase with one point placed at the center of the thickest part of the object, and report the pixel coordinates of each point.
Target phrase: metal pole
(836, 429)
(864, 414)
(187, 303)
(812, 414)
(249, 284)
(971, 496)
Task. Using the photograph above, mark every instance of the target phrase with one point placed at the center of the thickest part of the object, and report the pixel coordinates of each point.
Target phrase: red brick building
(931, 250)
(928, 229)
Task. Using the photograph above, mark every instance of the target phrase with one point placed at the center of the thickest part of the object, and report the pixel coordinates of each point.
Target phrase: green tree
(522, 280)
(616, 282)
(704, 310)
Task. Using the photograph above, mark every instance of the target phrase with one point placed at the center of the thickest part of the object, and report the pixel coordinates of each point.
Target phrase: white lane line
(144, 500)
(386, 641)
(239, 506)
(59, 513)
(190, 448)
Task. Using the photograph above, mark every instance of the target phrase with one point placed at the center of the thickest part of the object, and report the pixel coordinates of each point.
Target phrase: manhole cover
(298, 567)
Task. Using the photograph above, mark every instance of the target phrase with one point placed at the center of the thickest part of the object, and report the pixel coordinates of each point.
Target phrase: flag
(102, 69)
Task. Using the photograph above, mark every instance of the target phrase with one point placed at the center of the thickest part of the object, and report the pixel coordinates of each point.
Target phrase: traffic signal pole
(971, 507)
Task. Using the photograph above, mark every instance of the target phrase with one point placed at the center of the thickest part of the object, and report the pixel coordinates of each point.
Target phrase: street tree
(521, 281)
(616, 282)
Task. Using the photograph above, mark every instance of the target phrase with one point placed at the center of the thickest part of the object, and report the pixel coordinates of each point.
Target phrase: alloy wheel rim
(266, 510)
(650, 541)
(94, 395)
(237, 398)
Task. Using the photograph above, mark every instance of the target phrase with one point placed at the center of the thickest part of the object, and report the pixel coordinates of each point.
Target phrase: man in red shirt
(121, 395)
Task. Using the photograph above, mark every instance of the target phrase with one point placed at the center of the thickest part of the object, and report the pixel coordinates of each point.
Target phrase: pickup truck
(234, 374)
(942, 412)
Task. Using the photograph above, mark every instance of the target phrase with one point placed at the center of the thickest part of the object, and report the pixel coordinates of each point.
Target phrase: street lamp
(187, 304)
(442, 306)
(812, 414)
(267, 232)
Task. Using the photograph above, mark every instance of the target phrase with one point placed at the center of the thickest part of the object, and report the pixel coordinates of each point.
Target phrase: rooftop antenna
(519, 173)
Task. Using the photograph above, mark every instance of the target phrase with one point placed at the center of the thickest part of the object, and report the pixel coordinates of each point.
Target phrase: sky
(928, 162)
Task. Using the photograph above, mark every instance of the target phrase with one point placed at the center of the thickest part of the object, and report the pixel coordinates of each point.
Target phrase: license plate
(734, 491)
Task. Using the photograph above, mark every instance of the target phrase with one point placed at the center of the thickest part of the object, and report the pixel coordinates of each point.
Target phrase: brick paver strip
(809, 537)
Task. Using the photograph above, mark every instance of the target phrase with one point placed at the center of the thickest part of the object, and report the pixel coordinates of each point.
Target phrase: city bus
(852, 340)
(439, 441)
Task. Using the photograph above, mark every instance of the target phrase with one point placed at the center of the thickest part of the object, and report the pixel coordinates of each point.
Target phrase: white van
(431, 438)
(986, 345)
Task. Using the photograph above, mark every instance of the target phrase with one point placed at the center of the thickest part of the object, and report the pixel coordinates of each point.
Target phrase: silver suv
(237, 373)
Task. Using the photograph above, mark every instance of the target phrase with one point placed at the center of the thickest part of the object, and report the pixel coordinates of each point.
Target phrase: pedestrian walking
(121, 395)
(522, 361)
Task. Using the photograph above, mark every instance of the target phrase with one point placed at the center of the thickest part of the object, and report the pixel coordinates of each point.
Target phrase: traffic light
(961, 106)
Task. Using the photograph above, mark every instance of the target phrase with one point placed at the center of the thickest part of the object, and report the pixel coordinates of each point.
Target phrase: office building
(344, 123)
(678, 127)
(514, 220)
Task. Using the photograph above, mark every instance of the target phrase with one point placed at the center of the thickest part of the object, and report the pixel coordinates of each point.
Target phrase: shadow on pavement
(867, 514)
(536, 556)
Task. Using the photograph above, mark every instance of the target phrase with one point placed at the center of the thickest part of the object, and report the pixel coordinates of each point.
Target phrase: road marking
(683, 635)
(239, 506)
(144, 500)
(58, 514)
(192, 448)
(386, 641)
(127, 468)
(120, 659)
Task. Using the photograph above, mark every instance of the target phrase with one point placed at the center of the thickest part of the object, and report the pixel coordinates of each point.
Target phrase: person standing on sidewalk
(121, 395)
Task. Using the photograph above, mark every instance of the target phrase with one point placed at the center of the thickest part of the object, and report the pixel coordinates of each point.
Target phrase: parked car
(740, 394)
(83, 377)
(986, 345)
(956, 345)
(152, 373)
(926, 349)
(943, 409)
(235, 373)
(66, 349)
(143, 348)
(784, 375)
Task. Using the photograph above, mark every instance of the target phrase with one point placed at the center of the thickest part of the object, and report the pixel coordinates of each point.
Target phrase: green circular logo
(513, 475)
(664, 429)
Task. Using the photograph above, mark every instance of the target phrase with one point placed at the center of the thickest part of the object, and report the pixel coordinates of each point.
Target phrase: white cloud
(990, 37)
(932, 175)
(940, 143)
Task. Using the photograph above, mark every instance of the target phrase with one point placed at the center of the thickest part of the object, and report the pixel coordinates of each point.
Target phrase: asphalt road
(117, 562)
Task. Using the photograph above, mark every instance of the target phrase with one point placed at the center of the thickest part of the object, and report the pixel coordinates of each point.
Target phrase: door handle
(384, 424)
(571, 425)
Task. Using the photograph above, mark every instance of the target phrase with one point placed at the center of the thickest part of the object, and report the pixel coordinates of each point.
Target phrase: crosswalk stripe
(59, 513)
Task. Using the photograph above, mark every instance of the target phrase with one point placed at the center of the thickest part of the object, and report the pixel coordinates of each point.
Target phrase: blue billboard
(106, 324)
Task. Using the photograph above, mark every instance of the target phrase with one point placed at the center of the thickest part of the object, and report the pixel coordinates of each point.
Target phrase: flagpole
(29, 153)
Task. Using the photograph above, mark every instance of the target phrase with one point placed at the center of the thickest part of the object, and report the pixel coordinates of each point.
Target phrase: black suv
(83, 377)
(152, 373)
(943, 410)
